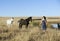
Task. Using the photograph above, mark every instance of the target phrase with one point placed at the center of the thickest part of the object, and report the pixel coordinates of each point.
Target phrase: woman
(43, 23)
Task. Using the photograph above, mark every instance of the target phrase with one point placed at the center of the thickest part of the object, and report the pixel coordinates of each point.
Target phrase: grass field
(32, 33)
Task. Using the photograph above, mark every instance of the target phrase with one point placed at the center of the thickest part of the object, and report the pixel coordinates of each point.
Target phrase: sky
(29, 7)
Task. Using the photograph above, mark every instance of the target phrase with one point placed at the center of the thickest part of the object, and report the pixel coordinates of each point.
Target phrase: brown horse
(24, 22)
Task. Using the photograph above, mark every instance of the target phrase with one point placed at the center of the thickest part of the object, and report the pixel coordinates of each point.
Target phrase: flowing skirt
(44, 26)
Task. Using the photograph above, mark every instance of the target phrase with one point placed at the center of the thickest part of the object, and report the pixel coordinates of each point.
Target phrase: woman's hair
(44, 17)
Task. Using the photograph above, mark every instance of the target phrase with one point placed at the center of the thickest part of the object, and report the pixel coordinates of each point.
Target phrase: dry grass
(33, 33)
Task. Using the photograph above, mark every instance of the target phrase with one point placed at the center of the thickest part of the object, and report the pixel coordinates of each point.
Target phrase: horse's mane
(28, 18)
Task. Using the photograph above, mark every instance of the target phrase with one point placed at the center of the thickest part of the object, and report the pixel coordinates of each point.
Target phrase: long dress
(44, 25)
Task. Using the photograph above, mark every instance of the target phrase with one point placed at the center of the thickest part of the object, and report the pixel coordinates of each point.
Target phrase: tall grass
(32, 34)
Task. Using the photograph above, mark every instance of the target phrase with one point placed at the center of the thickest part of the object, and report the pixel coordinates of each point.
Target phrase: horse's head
(30, 19)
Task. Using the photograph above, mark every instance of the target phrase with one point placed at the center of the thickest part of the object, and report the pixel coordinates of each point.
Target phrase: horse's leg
(20, 25)
(27, 26)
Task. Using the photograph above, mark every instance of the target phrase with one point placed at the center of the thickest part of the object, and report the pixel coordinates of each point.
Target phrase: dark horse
(24, 22)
